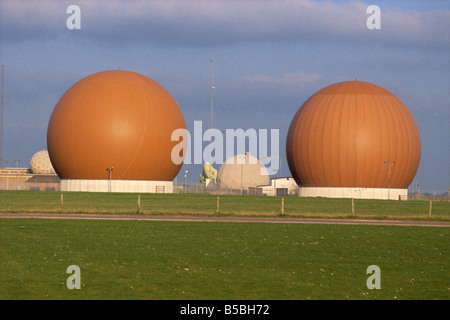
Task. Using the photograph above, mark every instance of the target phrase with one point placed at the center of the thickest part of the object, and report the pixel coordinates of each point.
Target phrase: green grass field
(206, 204)
(213, 260)
(220, 260)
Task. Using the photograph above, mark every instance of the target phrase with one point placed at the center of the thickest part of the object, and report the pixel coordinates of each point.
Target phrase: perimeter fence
(223, 204)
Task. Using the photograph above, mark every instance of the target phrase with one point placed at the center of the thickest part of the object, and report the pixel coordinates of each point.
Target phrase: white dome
(244, 169)
(40, 163)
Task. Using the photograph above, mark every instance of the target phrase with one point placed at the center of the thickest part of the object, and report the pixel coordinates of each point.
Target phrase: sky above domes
(269, 57)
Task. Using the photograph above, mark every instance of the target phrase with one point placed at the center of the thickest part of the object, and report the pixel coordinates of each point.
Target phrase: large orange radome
(343, 134)
(117, 119)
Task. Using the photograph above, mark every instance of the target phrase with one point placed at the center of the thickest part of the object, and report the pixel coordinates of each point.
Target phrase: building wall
(133, 186)
(22, 179)
(357, 193)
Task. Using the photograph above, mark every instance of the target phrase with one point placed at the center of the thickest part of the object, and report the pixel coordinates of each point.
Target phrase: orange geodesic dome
(346, 134)
(119, 119)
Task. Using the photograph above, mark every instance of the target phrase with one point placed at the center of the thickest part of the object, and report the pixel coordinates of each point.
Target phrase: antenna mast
(1, 129)
(212, 88)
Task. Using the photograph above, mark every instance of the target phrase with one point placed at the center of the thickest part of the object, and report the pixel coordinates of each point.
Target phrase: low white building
(285, 186)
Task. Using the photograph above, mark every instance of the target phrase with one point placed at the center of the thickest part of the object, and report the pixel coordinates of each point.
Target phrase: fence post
(217, 205)
(282, 205)
(139, 203)
(353, 208)
(429, 211)
(62, 201)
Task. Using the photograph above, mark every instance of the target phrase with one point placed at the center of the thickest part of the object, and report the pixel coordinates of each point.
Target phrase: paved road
(225, 219)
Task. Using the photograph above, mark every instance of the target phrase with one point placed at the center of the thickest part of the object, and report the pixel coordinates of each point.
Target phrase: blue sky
(269, 57)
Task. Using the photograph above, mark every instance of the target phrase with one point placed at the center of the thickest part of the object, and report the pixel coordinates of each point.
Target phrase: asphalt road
(226, 219)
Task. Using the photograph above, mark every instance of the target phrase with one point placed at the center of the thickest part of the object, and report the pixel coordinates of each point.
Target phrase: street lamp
(109, 169)
(418, 191)
(389, 177)
(17, 174)
(242, 158)
(241, 177)
(185, 180)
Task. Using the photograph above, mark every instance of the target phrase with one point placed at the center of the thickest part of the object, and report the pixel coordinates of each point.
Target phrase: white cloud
(207, 22)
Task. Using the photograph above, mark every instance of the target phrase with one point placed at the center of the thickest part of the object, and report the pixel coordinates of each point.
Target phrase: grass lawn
(213, 260)
(206, 204)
